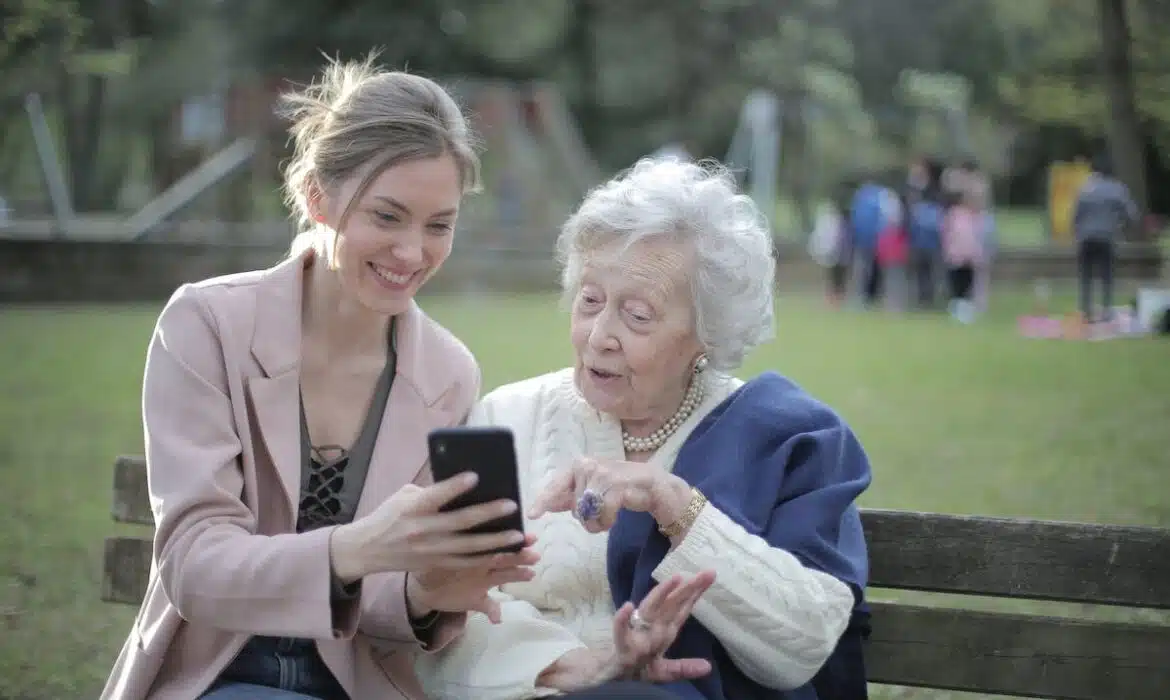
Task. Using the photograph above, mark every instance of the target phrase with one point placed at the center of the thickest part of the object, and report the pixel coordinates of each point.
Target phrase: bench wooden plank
(126, 569)
(131, 495)
(1044, 560)
(1072, 562)
(1019, 655)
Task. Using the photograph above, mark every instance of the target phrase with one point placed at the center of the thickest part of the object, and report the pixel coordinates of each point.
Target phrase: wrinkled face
(633, 330)
(398, 233)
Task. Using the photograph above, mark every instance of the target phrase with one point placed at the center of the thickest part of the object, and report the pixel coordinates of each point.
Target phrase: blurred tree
(636, 74)
(1101, 68)
(30, 28)
(507, 39)
(31, 24)
(1117, 73)
(799, 51)
(68, 50)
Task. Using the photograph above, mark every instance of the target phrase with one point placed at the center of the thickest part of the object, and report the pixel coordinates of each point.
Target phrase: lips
(391, 276)
(603, 374)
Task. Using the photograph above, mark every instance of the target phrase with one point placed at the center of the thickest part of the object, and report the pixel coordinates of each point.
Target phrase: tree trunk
(582, 47)
(1122, 127)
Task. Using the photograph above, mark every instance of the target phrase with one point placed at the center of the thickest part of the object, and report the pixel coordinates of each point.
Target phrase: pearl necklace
(659, 437)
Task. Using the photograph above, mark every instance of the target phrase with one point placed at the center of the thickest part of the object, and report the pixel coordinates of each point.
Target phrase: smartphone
(489, 452)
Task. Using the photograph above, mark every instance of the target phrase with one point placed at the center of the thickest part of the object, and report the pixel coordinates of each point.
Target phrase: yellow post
(1064, 183)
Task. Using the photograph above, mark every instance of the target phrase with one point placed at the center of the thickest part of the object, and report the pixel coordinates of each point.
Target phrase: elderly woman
(646, 461)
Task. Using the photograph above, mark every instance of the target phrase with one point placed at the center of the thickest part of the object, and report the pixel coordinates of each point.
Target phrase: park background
(138, 150)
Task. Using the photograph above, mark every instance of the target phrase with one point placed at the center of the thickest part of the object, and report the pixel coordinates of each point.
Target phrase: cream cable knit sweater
(778, 620)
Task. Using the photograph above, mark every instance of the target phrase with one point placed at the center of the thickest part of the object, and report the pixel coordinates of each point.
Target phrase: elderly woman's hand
(641, 637)
(642, 634)
(595, 490)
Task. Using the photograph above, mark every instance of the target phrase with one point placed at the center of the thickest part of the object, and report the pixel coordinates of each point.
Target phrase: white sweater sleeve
(496, 662)
(778, 619)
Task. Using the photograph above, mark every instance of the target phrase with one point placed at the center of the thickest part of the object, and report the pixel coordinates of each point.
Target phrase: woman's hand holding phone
(448, 590)
(408, 532)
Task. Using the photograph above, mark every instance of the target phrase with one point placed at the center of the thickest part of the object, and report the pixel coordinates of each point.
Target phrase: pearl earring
(701, 363)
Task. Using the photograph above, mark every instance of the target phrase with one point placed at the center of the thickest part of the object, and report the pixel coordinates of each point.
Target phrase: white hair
(697, 205)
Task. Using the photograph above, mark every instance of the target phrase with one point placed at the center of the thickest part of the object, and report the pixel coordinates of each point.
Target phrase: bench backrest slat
(131, 496)
(1008, 654)
(127, 570)
(1043, 560)
(1072, 562)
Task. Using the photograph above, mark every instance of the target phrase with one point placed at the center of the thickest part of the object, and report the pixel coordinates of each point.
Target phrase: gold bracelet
(684, 522)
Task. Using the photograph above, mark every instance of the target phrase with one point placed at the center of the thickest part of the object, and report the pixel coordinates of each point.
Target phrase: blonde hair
(358, 119)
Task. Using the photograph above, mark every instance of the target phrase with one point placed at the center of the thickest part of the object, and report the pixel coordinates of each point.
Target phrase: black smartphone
(489, 452)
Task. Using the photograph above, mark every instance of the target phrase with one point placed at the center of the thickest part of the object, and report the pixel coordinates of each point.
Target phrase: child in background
(893, 254)
(830, 246)
(867, 217)
(990, 244)
(963, 234)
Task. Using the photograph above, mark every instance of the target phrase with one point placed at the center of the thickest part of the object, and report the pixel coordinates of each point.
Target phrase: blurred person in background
(867, 218)
(976, 183)
(300, 551)
(962, 247)
(893, 254)
(648, 465)
(1104, 211)
(831, 244)
(926, 209)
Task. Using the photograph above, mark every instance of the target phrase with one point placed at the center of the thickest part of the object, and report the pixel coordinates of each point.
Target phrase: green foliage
(875, 80)
(1055, 78)
(31, 24)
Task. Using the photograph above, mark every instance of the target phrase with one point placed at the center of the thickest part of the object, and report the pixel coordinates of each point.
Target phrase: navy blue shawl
(787, 468)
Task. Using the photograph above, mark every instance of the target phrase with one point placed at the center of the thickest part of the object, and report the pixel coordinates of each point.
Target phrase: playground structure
(536, 168)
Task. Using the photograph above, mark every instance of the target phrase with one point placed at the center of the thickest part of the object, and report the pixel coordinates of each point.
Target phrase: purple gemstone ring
(589, 504)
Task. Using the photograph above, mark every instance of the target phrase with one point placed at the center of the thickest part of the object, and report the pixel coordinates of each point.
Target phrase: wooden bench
(925, 645)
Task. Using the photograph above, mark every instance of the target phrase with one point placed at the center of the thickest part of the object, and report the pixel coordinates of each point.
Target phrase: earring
(701, 363)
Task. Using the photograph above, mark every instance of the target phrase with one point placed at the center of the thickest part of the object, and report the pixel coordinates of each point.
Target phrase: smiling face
(633, 330)
(397, 233)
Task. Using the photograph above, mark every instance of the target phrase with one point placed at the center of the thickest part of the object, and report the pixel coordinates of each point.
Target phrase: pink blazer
(222, 427)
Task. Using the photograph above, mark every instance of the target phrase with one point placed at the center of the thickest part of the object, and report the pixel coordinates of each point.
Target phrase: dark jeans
(623, 690)
(962, 282)
(838, 280)
(249, 691)
(1095, 261)
(618, 690)
(922, 270)
(873, 281)
(268, 666)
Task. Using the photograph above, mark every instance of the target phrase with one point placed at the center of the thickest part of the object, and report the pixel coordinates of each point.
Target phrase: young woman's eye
(386, 216)
(441, 227)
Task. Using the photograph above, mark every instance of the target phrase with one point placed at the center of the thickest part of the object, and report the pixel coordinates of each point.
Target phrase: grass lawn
(956, 419)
